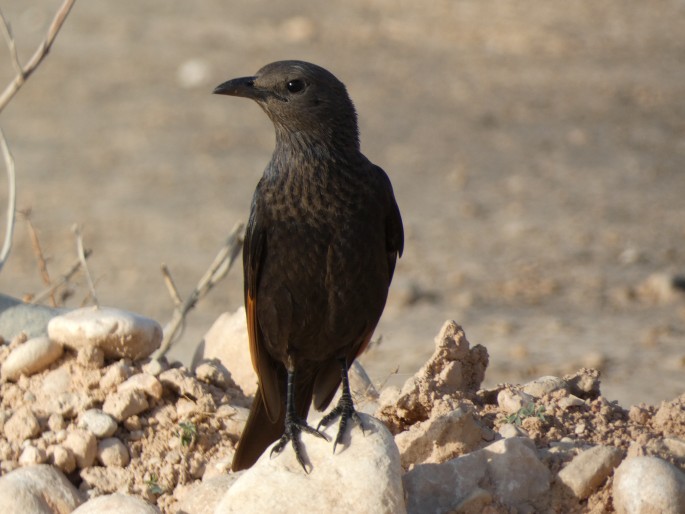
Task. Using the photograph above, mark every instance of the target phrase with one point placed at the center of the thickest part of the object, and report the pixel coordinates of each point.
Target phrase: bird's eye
(295, 86)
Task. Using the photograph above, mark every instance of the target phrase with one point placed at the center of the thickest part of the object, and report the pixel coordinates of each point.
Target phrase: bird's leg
(345, 408)
(294, 425)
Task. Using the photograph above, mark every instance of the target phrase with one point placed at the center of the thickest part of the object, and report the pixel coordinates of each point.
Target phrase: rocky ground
(88, 422)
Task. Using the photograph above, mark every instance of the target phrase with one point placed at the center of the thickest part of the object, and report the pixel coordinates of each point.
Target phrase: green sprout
(527, 411)
(153, 486)
(188, 433)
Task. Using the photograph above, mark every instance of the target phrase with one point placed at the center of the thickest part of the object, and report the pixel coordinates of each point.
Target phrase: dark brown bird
(320, 249)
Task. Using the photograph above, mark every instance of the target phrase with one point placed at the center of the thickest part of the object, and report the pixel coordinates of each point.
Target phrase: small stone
(508, 430)
(83, 445)
(589, 469)
(115, 504)
(544, 385)
(181, 383)
(638, 414)
(40, 489)
(56, 422)
(115, 375)
(98, 422)
(91, 357)
(571, 401)
(143, 382)
(112, 452)
(31, 456)
(62, 457)
(31, 357)
(645, 485)
(120, 334)
(155, 366)
(513, 401)
(213, 372)
(22, 425)
(123, 404)
(107, 479)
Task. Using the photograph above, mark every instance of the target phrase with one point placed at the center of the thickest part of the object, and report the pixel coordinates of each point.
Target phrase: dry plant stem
(82, 257)
(66, 277)
(24, 72)
(217, 270)
(38, 251)
(11, 202)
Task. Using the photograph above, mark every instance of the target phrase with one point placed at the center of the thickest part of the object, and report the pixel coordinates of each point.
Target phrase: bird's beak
(243, 86)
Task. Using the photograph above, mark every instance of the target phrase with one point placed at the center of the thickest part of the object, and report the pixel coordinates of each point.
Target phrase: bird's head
(301, 99)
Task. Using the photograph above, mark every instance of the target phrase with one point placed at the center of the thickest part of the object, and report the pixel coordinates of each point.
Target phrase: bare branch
(171, 286)
(217, 270)
(66, 277)
(24, 72)
(11, 200)
(38, 251)
(82, 257)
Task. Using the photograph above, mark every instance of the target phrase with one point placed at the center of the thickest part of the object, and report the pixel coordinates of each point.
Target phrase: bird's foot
(294, 426)
(345, 411)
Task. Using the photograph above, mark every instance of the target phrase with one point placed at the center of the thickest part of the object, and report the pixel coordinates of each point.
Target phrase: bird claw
(345, 411)
(293, 429)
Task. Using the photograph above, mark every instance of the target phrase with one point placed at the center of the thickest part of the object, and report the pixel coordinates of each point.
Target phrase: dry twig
(38, 251)
(66, 277)
(82, 257)
(217, 270)
(24, 72)
(11, 200)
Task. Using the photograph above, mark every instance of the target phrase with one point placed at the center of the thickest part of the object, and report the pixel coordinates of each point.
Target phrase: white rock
(589, 469)
(361, 477)
(143, 382)
(22, 425)
(99, 423)
(227, 341)
(120, 334)
(112, 452)
(31, 357)
(513, 401)
(31, 456)
(116, 504)
(115, 375)
(125, 404)
(62, 457)
(451, 434)
(83, 445)
(40, 489)
(508, 430)
(204, 497)
(544, 385)
(645, 485)
(507, 470)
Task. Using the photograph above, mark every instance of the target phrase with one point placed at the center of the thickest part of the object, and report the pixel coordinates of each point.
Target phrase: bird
(320, 248)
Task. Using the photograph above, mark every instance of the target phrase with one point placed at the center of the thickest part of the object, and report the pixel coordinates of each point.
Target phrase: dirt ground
(537, 150)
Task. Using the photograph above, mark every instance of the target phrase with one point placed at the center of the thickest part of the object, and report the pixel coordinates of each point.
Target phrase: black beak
(243, 86)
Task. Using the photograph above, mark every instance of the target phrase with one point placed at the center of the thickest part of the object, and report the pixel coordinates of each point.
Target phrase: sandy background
(537, 150)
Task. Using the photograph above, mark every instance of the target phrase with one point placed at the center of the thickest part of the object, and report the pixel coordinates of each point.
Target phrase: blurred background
(537, 151)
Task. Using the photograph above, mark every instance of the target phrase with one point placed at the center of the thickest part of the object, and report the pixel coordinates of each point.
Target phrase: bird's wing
(394, 230)
(254, 253)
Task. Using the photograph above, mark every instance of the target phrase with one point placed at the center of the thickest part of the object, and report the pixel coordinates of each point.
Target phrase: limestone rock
(112, 452)
(22, 425)
(363, 477)
(17, 316)
(116, 504)
(205, 496)
(31, 456)
(441, 437)
(83, 445)
(99, 423)
(40, 489)
(644, 485)
(227, 341)
(120, 334)
(544, 385)
(31, 357)
(513, 401)
(143, 382)
(125, 404)
(589, 469)
(507, 470)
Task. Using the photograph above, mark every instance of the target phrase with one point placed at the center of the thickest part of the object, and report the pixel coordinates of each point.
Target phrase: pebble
(17, 317)
(589, 469)
(645, 485)
(513, 401)
(83, 445)
(115, 375)
(120, 334)
(31, 357)
(62, 457)
(21, 425)
(544, 385)
(571, 401)
(143, 382)
(508, 430)
(181, 383)
(40, 489)
(115, 504)
(32, 455)
(122, 405)
(98, 422)
(112, 452)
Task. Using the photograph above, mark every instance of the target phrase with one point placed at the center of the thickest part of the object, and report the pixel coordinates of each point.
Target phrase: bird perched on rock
(320, 249)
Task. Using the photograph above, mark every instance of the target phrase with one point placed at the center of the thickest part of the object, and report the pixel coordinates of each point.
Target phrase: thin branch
(25, 72)
(62, 281)
(82, 257)
(38, 251)
(217, 270)
(171, 286)
(11, 201)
